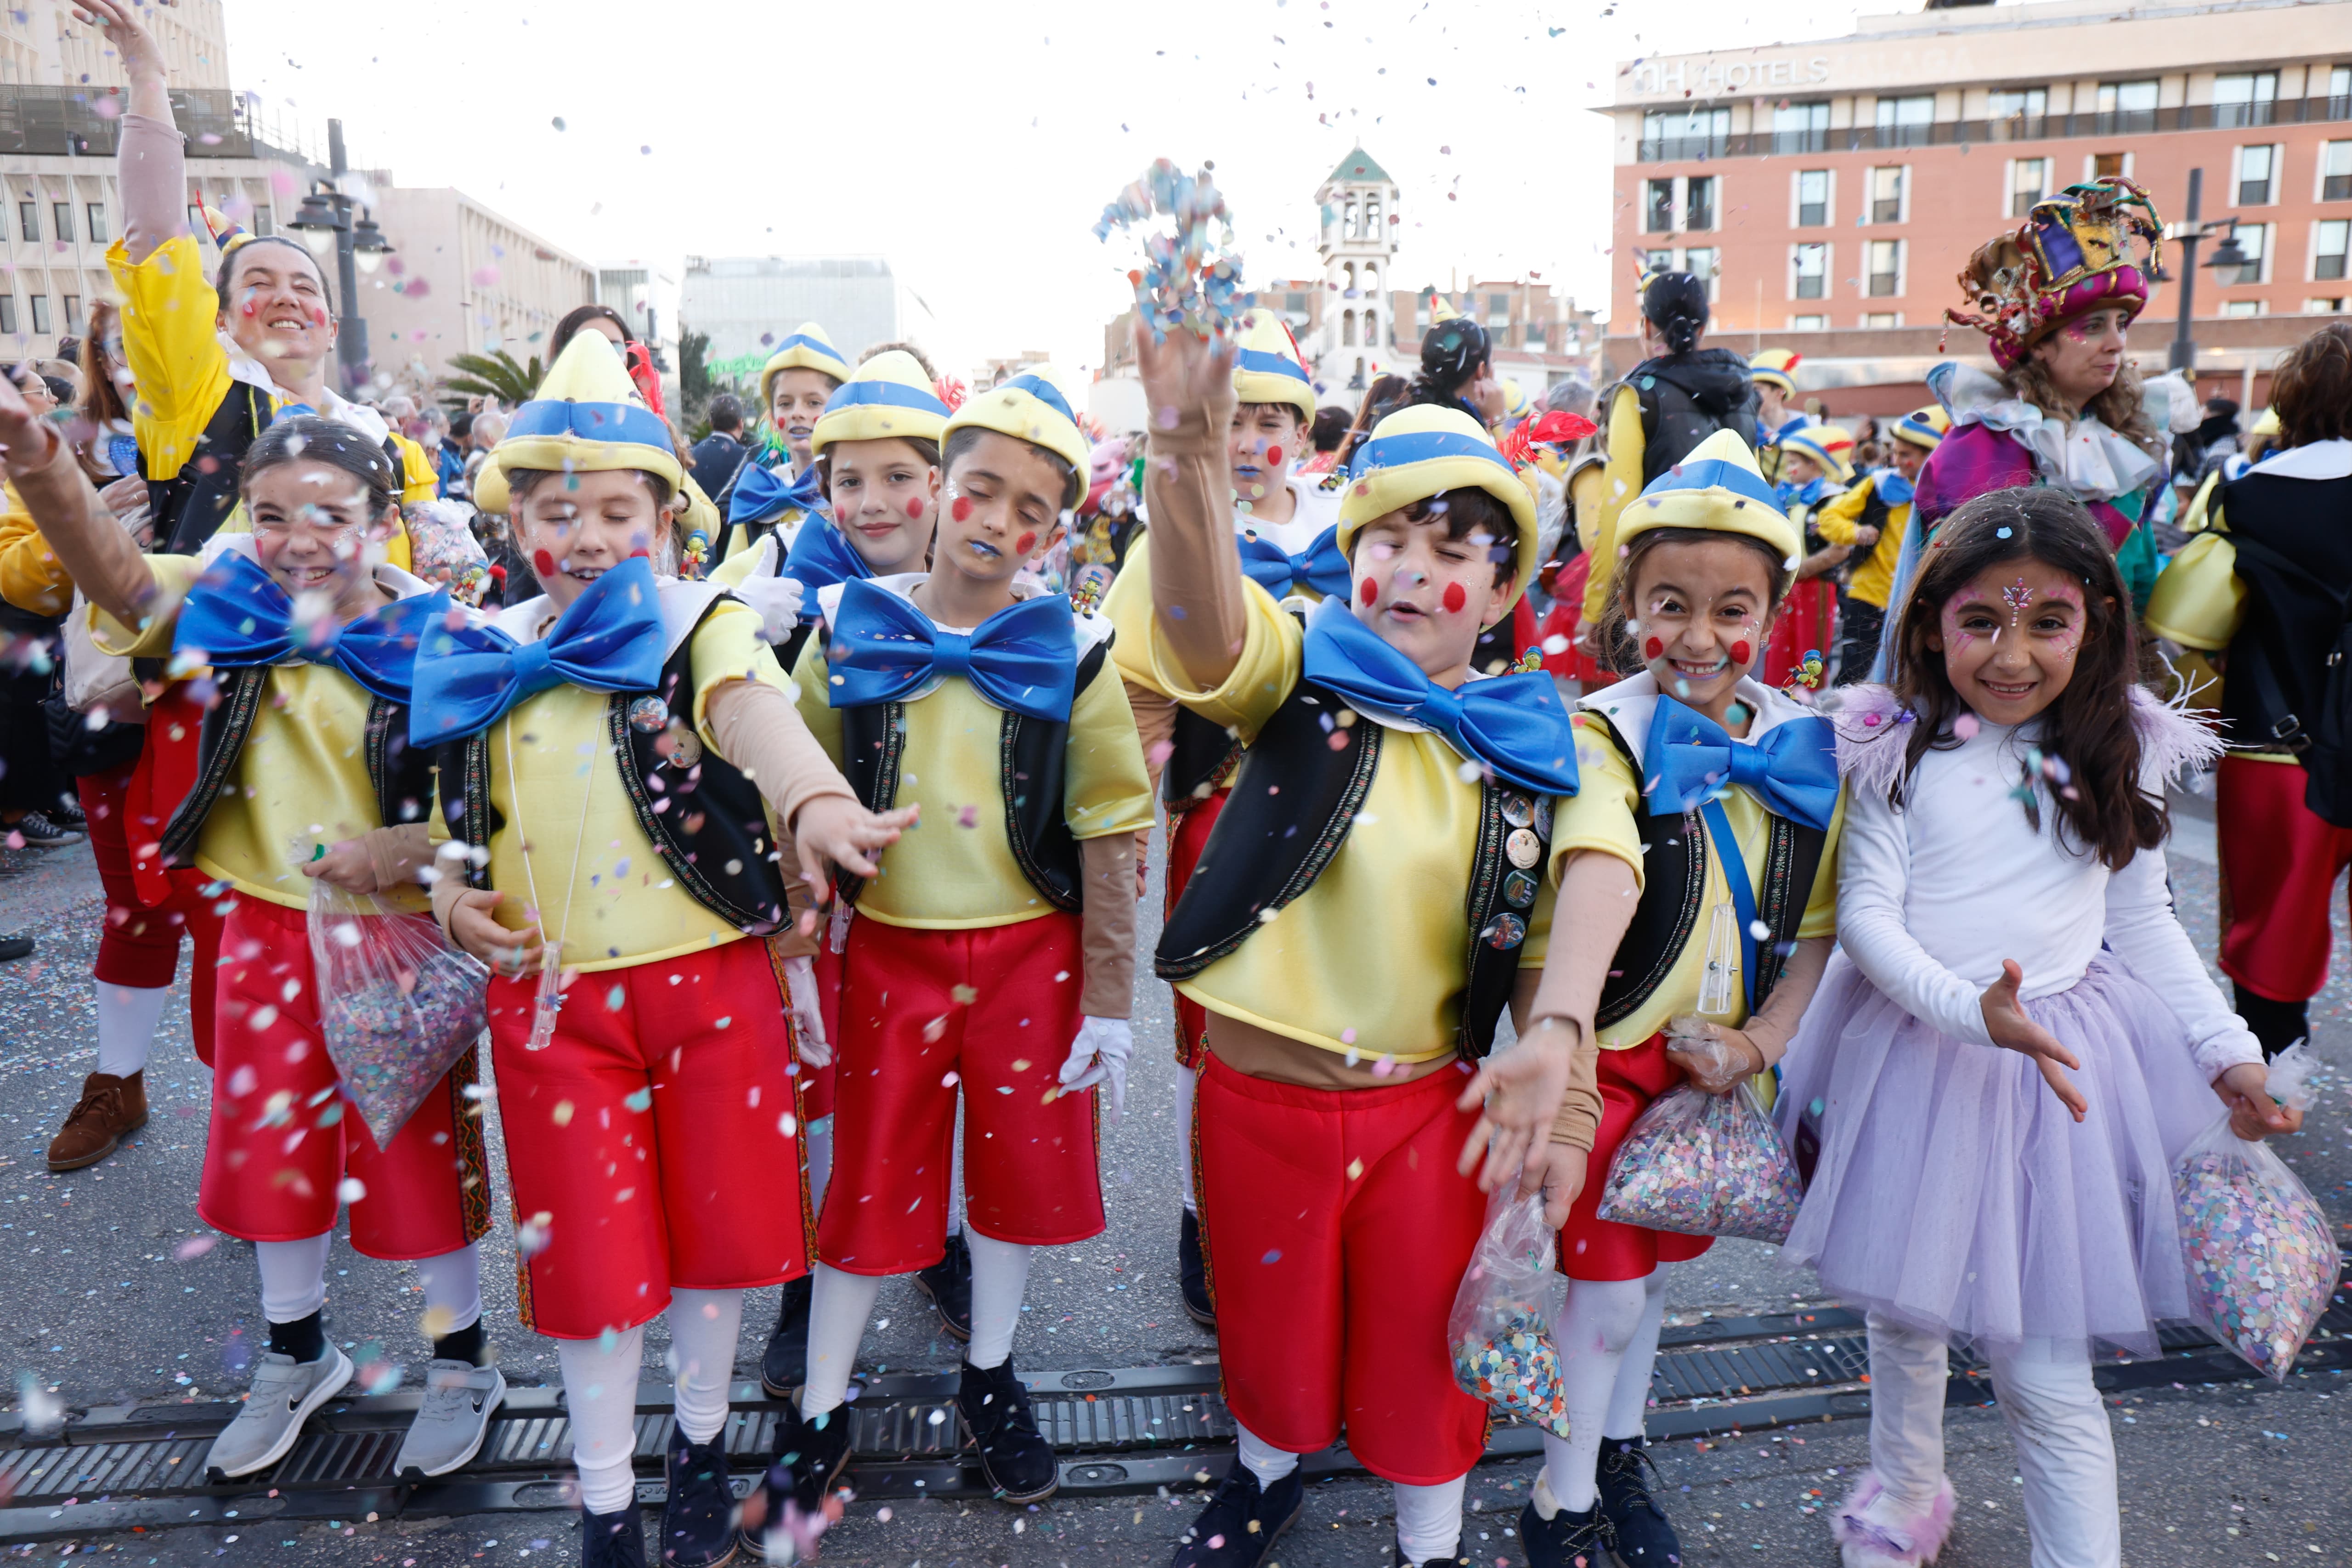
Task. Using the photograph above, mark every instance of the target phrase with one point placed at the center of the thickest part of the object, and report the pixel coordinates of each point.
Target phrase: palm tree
(493, 374)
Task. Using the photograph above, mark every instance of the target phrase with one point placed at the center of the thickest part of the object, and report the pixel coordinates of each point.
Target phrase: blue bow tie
(1893, 488)
(1793, 769)
(820, 558)
(765, 494)
(238, 617)
(469, 676)
(1319, 567)
(1512, 723)
(1808, 494)
(1020, 658)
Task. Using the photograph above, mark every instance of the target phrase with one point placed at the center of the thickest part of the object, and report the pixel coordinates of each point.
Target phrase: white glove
(1099, 1056)
(808, 1017)
(778, 599)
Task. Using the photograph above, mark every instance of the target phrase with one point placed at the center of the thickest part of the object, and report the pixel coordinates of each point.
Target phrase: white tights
(599, 1390)
(1607, 1336)
(1429, 1519)
(127, 1019)
(843, 1302)
(1187, 1082)
(294, 1281)
(2065, 1449)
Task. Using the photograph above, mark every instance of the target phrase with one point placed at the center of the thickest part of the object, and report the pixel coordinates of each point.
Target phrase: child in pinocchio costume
(1874, 514)
(620, 755)
(1719, 797)
(1813, 473)
(777, 490)
(298, 761)
(1376, 890)
(1287, 532)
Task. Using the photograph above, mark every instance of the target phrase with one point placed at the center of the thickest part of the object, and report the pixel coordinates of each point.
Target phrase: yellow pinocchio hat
(889, 398)
(1776, 367)
(587, 417)
(808, 348)
(1718, 487)
(1422, 451)
(1034, 406)
(1814, 442)
(1268, 367)
(1924, 427)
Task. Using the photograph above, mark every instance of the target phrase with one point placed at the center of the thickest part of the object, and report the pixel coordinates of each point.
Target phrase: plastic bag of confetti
(1500, 1327)
(398, 1005)
(2261, 1261)
(1703, 1165)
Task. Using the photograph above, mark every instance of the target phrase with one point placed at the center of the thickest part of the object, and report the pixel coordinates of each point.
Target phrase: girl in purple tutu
(2017, 1037)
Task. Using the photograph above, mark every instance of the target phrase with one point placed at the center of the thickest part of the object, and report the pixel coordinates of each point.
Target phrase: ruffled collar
(2081, 455)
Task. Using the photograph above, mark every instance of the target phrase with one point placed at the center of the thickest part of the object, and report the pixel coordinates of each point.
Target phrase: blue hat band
(803, 340)
(1265, 363)
(1714, 473)
(885, 394)
(591, 421)
(1045, 392)
(1420, 447)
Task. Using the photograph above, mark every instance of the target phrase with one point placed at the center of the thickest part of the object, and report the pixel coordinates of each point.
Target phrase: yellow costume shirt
(1621, 482)
(1873, 575)
(954, 868)
(1371, 958)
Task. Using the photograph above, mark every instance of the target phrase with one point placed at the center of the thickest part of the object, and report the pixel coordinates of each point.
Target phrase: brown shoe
(111, 1107)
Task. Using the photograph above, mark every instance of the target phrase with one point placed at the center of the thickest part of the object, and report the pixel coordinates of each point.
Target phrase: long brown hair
(2118, 408)
(2088, 733)
(2311, 390)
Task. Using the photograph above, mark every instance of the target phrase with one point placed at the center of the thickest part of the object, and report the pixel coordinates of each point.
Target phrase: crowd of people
(1712, 740)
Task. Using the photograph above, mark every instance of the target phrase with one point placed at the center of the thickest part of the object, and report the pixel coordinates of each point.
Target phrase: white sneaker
(454, 1419)
(284, 1394)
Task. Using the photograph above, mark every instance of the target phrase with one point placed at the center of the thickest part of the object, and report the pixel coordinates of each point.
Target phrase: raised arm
(152, 160)
(1196, 568)
(93, 549)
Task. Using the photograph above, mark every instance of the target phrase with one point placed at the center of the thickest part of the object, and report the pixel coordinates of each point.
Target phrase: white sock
(1592, 1334)
(1267, 1462)
(1187, 1082)
(956, 1214)
(127, 1017)
(1429, 1519)
(453, 1290)
(703, 1325)
(839, 1305)
(1630, 1403)
(600, 1394)
(820, 1159)
(999, 1276)
(293, 1277)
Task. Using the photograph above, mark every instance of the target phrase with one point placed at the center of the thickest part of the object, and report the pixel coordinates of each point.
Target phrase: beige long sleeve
(1108, 944)
(1197, 600)
(91, 546)
(761, 731)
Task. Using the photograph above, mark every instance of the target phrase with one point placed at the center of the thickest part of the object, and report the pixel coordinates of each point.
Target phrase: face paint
(317, 315)
(1456, 597)
(1368, 591)
(1741, 652)
(915, 508)
(2016, 596)
(962, 507)
(1653, 648)
(1273, 455)
(1022, 545)
(543, 563)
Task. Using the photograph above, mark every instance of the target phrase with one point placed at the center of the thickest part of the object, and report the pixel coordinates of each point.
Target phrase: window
(1800, 128)
(2110, 165)
(1372, 327)
(1698, 206)
(1886, 195)
(9, 313)
(61, 215)
(2333, 307)
(2244, 99)
(2028, 182)
(196, 219)
(1880, 319)
(94, 215)
(1886, 267)
(2336, 171)
(1812, 198)
(1812, 277)
(2128, 105)
(2242, 307)
(1658, 208)
(263, 222)
(1347, 329)
(1686, 134)
(2340, 92)
(1701, 265)
(1535, 334)
(1293, 304)
(73, 312)
(1498, 310)
(28, 220)
(1903, 121)
(2256, 169)
(2335, 238)
(2026, 103)
(1809, 323)
(2253, 240)
(41, 322)
(1657, 261)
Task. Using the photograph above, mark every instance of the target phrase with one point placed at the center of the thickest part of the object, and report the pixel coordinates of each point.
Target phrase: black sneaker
(68, 814)
(1193, 1273)
(784, 1365)
(612, 1540)
(40, 833)
(1018, 1462)
(698, 1525)
(1459, 1560)
(947, 1283)
(1565, 1540)
(1639, 1533)
(789, 1502)
(1243, 1521)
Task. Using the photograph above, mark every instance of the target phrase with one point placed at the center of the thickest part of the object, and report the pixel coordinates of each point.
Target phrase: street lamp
(2189, 234)
(327, 218)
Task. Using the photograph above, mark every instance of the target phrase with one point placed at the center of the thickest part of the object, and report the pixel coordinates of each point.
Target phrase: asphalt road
(116, 1292)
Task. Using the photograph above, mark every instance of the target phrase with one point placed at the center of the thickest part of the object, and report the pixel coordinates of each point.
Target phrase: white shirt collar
(682, 606)
(2317, 460)
(1632, 703)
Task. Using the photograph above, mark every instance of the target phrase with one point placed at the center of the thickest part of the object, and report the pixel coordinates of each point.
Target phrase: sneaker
(784, 1365)
(110, 1108)
(284, 1394)
(1243, 1521)
(612, 1540)
(452, 1422)
(698, 1523)
(1640, 1534)
(785, 1514)
(1874, 1530)
(39, 832)
(1458, 1559)
(1565, 1540)
(1193, 1273)
(947, 1283)
(68, 814)
(1017, 1461)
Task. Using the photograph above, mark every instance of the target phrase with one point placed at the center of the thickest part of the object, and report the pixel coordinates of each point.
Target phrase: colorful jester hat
(2073, 254)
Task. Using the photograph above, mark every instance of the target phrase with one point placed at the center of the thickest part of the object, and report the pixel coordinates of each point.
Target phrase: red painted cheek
(317, 315)
(915, 508)
(248, 308)
(1368, 591)
(1022, 543)
(1456, 597)
(1653, 647)
(543, 563)
(1274, 453)
(962, 507)
(1740, 653)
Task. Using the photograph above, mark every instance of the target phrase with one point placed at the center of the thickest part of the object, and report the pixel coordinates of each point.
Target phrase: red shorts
(909, 1045)
(1807, 623)
(140, 947)
(283, 1137)
(653, 1133)
(2279, 867)
(1591, 1247)
(1337, 1233)
(1188, 834)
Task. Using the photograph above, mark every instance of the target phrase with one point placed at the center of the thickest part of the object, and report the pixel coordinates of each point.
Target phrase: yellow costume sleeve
(2198, 514)
(1585, 489)
(1272, 654)
(31, 576)
(1600, 814)
(1106, 788)
(172, 347)
(1621, 482)
(1841, 513)
(418, 483)
(175, 575)
(2200, 599)
(726, 646)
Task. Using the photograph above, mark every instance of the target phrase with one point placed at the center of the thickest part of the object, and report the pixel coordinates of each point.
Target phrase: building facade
(1831, 191)
(747, 304)
(461, 280)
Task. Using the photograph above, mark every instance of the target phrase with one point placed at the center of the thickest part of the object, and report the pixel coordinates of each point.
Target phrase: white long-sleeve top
(1934, 895)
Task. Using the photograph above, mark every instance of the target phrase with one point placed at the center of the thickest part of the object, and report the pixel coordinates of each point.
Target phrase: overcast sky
(974, 148)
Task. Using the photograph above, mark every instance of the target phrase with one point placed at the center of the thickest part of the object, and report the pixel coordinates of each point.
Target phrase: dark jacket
(1686, 398)
(714, 460)
(2293, 539)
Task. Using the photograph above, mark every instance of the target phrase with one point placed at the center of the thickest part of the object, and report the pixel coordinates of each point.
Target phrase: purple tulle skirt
(1953, 1192)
